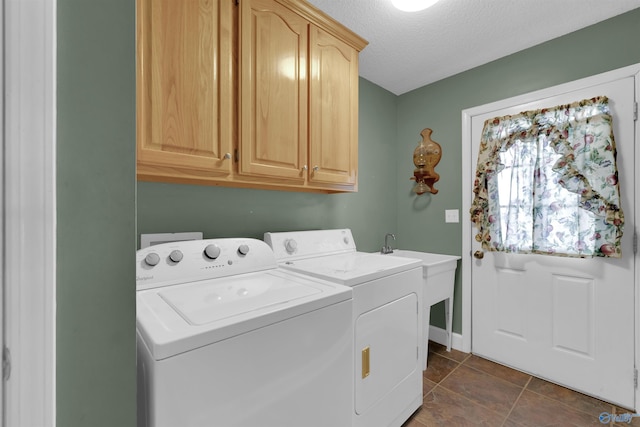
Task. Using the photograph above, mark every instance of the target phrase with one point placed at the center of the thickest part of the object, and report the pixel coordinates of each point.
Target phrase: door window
(547, 182)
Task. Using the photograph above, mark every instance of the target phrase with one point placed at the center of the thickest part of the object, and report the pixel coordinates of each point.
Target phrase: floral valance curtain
(547, 182)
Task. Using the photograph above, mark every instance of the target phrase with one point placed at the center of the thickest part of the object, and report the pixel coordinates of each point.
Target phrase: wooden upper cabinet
(333, 118)
(184, 88)
(298, 96)
(273, 91)
(248, 93)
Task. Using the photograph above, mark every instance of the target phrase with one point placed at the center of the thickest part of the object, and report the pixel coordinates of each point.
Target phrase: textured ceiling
(410, 50)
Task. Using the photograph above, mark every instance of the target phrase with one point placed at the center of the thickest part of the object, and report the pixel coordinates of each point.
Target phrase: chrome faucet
(386, 249)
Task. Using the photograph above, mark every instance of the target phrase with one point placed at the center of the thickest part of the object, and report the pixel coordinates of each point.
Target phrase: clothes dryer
(387, 318)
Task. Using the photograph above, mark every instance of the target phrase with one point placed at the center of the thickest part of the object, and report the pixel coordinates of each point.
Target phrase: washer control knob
(243, 249)
(212, 251)
(290, 245)
(175, 256)
(152, 259)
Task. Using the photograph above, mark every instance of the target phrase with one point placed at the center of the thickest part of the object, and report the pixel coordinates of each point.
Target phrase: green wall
(602, 47)
(95, 330)
(230, 212)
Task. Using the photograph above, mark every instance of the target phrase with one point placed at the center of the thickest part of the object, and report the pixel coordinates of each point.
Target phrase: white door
(567, 320)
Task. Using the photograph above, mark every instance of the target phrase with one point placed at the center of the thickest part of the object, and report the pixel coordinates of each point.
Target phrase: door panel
(184, 86)
(273, 91)
(388, 335)
(573, 313)
(567, 320)
(510, 296)
(333, 126)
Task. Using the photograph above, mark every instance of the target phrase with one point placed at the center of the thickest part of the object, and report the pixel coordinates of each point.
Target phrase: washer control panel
(189, 261)
(294, 245)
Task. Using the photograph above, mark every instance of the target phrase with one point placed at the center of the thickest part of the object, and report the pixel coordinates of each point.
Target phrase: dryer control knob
(290, 245)
(243, 249)
(152, 259)
(212, 251)
(175, 256)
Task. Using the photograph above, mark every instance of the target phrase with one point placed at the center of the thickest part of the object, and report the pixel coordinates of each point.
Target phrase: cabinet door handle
(316, 168)
(227, 156)
(305, 167)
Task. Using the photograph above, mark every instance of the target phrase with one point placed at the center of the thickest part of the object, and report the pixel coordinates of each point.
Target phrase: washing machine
(387, 318)
(225, 337)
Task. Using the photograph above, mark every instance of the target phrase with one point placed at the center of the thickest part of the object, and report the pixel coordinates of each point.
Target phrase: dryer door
(386, 350)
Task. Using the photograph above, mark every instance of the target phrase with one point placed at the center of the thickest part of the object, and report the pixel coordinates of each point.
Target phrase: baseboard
(439, 335)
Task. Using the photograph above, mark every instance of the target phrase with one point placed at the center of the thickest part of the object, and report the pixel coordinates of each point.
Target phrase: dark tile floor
(461, 389)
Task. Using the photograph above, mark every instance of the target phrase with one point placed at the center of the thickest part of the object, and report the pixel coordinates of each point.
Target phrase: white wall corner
(29, 200)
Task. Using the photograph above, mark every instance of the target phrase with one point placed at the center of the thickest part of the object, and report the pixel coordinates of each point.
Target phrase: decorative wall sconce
(426, 156)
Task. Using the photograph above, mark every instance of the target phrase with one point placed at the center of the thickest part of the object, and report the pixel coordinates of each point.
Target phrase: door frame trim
(30, 214)
(468, 169)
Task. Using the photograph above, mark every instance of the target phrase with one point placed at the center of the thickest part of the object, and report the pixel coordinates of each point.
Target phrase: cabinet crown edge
(327, 23)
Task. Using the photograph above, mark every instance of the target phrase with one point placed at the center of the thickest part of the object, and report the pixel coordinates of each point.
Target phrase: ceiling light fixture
(413, 5)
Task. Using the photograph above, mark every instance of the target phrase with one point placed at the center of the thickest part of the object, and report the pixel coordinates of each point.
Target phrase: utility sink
(438, 277)
(431, 263)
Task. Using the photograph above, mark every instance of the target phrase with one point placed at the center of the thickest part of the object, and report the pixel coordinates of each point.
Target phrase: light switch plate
(451, 215)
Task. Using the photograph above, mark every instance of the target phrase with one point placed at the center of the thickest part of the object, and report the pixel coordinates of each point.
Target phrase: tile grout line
(438, 385)
(478, 403)
(540, 394)
(517, 400)
(499, 377)
(451, 372)
(460, 363)
(573, 408)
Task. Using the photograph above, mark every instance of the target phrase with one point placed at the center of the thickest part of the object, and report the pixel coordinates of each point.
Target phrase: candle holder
(425, 157)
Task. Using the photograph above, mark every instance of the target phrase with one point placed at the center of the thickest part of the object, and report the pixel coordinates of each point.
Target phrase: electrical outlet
(451, 215)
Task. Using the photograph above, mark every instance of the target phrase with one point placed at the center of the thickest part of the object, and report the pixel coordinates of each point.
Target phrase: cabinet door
(273, 91)
(333, 118)
(184, 80)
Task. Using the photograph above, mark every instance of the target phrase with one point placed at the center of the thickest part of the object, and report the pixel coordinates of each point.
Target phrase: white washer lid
(171, 321)
(352, 269)
(213, 300)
